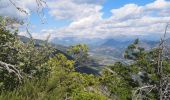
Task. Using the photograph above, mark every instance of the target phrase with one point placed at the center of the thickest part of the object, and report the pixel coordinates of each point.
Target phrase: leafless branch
(108, 69)
(143, 88)
(18, 8)
(11, 69)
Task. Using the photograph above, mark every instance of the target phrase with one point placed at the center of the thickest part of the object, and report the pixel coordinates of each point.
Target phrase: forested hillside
(34, 69)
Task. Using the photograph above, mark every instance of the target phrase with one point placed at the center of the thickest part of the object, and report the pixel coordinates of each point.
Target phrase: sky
(92, 18)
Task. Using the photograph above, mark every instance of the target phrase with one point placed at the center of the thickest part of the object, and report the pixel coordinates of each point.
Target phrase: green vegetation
(79, 53)
(31, 72)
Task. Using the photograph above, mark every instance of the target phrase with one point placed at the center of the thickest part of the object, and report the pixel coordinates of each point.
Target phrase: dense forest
(31, 70)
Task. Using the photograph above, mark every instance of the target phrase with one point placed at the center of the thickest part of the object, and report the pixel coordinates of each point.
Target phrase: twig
(11, 69)
(142, 88)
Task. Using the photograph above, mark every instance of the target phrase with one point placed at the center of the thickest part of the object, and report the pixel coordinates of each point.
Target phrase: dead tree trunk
(160, 73)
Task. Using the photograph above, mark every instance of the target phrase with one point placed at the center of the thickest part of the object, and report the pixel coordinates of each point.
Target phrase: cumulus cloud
(129, 20)
(73, 9)
(129, 11)
(158, 4)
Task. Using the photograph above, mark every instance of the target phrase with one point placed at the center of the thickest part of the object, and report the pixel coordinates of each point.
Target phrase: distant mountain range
(98, 42)
(106, 51)
(115, 48)
(67, 41)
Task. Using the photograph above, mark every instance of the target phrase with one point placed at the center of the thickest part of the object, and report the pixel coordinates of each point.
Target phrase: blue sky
(93, 18)
(107, 6)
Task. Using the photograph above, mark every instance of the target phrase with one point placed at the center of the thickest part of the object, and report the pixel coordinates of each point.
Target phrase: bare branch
(11, 69)
(108, 69)
(143, 88)
(18, 8)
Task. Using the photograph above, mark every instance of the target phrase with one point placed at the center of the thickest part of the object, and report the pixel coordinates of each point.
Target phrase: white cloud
(158, 4)
(128, 11)
(129, 20)
(71, 10)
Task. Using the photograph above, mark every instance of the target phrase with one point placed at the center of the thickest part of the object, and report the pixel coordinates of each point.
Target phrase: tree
(133, 51)
(154, 72)
(118, 80)
(18, 58)
(67, 84)
(79, 53)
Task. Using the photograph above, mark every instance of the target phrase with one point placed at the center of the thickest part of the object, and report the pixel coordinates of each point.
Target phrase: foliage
(79, 53)
(147, 63)
(119, 81)
(133, 51)
(45, 75)
(61, 82)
